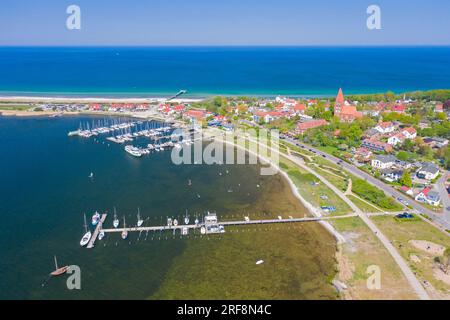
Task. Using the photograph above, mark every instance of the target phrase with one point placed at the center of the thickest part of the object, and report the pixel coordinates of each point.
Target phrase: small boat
(202, 230)
(101, 235)
(124, 232)
(186, 218)
(91, 175)
(196, 221)
(259, 262)
(139, 220)
(115, 221)
(189, 182)
(175, 222)
(169, 222)
(95, 218)
(87, 235)
(59, 271)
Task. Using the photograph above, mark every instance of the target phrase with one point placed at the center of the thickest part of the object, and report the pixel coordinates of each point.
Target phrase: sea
(205, 71)
(46, 188)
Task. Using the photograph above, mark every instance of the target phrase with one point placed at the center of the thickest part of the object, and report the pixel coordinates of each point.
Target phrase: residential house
(303, 126)
(396, 139)
(376, 145)
(439, 107)
(409, 133)
(429, 196)
(363, 154)
(407, 190)
(429, 171)
(383, 161)
(391, 174)
(385, 127)
(399, 108)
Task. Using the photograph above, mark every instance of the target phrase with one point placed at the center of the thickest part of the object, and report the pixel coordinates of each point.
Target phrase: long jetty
(96, 232)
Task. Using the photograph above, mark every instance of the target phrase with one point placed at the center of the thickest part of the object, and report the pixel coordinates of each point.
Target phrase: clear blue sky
(225, 22)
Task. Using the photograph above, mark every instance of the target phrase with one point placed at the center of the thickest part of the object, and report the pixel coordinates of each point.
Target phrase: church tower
(339, 103)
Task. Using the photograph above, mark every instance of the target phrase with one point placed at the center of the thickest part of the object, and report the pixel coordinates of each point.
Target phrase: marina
(209, 225)
(160, 134)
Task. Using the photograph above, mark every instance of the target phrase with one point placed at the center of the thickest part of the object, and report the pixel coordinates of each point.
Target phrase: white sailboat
(186, 218)
(115, 221)
(139, 220)
(124, 232)
(101, 234)
(87, 236)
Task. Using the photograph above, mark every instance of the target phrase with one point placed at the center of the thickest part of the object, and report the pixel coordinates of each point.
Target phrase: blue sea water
(153, 71)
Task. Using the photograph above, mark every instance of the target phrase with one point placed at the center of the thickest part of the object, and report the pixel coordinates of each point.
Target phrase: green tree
(403, 155)
(406, 179)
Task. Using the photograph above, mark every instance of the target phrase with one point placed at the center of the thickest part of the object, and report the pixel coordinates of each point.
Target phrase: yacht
(139, 220)
(175, 222)
(133, 151)
(115, 221)
(101, 235)
(124, 232)
(95, 218)
(87, 235)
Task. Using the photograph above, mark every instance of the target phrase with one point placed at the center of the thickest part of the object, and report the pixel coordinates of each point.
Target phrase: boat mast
(56, 263)
(85, 224)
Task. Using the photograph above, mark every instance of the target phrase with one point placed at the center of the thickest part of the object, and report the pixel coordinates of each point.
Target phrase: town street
(441, 219)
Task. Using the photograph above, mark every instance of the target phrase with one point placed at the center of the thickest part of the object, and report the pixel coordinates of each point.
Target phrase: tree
(406, 179)
(403, 155)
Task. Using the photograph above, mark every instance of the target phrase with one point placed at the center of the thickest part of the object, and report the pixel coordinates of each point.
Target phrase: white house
(395, 139)
(429, 196)
(385, 127)
(383, 162)
(409, 133)
(429, 172)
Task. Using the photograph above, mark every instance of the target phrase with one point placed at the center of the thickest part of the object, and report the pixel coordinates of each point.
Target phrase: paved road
(444, 194)
(443, 220)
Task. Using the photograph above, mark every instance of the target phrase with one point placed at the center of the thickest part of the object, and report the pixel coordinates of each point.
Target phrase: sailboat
(124, 232)
(59, 271)
(186, 218)
(95, 218)
(139, 220)
(87, 236)
(115, 221)
(101, 234)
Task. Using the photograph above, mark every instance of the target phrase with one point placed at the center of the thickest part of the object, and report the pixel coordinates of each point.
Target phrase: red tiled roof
(311, 124)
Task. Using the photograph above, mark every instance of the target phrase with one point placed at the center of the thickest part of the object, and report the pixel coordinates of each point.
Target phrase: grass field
(362, 205)
(361, 250)
(400, 232)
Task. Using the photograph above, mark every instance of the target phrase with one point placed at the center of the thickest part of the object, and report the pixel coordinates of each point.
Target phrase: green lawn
(362, 205)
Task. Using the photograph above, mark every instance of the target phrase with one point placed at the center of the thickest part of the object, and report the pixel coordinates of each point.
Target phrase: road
(409, 275)
(444, 194)
(442, 220)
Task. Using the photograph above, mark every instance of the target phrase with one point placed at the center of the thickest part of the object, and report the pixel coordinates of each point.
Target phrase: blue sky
(225, 22)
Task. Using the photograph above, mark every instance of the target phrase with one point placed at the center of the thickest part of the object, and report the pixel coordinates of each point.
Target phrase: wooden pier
(224, 223)
(97, 230)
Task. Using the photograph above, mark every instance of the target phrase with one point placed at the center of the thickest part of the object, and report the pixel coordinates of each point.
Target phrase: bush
(372, 194)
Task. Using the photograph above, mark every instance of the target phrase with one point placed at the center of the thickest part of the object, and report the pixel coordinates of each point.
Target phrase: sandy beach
(46, 99)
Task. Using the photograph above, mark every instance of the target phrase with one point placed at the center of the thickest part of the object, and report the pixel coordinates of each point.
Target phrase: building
(429, 172)
(303, 126)
(383, 161)
(363, 154)
(343, 110)
(409, 133)
(376, 145)
(391, 175)
(407, 190)
(385, 127)
(429, 196)
(399, 108)
(396, 139)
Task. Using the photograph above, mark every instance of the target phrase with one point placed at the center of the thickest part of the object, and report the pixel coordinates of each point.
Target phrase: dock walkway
(97, 230)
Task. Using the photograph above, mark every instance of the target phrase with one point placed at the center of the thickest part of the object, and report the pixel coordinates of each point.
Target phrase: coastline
(59, 99)
(311, 209)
